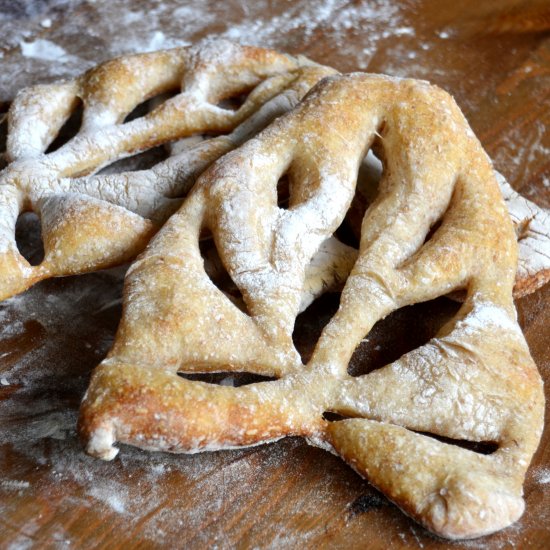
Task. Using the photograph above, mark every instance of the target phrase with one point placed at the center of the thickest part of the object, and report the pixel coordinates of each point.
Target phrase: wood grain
(493, 56)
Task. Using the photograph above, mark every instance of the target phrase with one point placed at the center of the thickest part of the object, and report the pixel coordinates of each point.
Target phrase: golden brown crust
(114, 216)
(531, 224)
(475, 380)
(141, 201)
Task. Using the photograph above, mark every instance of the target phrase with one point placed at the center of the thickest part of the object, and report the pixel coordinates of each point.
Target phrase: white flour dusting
(38, 48)
(45, 50)
(542, 475)
(69, 316)
(14, 484)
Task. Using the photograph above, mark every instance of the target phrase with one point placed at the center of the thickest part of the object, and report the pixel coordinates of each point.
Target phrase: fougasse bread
(91, 222)
(437, 224)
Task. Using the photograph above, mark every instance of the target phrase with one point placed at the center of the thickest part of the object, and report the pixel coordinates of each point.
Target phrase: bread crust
(90, 221)
(475, 380)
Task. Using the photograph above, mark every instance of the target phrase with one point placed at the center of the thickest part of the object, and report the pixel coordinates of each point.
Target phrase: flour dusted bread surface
(81, 211)
(474, 381)
(92, 221)
(531, 225)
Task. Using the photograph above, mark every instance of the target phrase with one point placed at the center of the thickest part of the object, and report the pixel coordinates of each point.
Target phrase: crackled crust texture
(475, 380)
(92, 221)
(532, 224)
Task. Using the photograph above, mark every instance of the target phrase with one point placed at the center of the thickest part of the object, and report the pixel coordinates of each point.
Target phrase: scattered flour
(542, 475)
(45, 50)
(14, 484)
(56, 45)
(68, 320)
(114, 495)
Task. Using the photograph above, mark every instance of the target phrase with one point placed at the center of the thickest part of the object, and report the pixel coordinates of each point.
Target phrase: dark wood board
(493, 56)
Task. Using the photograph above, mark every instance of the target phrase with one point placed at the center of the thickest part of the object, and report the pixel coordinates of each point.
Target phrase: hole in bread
(232, 379)
(431, 233)
(331, 416)
(283, 192)
(349, 231)
(402, 331)
(69, 130)
(370, 174)
(217, 273)
(366, 190)
(149, 105)
(141, 161)
(481, 447)
(28, 236)
(325, 277)
(234, 102)
(311, 322)
(433, 229)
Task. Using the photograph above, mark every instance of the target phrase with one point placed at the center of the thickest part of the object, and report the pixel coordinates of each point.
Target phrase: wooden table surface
(493, 56)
